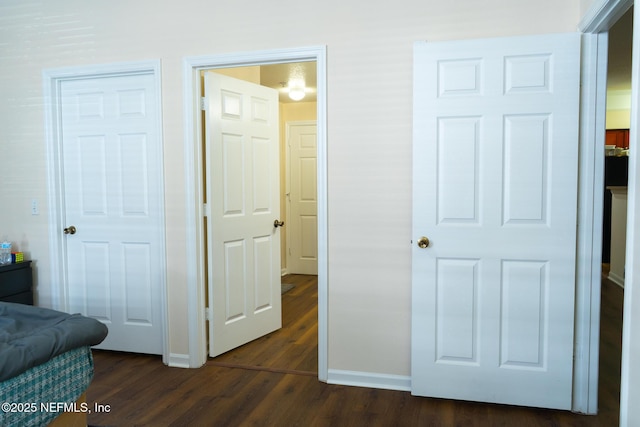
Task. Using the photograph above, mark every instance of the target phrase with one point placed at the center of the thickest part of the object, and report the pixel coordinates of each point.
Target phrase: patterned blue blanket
(38, 395)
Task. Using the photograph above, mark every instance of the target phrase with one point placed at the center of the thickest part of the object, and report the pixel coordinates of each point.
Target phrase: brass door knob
(70, 230)
(277, 223)
(423, 242)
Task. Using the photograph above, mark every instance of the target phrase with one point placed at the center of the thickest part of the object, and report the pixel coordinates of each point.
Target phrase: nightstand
(16, 282)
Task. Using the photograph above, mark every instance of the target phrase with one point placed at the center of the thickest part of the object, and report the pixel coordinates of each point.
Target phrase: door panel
(495, 191)
(112, 195)
(457, 163)
(242, 156)
(457, 311)
(525, 285)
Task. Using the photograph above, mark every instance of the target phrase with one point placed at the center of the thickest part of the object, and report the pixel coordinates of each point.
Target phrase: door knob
(70, 230)
(423, 242)
(277, 223)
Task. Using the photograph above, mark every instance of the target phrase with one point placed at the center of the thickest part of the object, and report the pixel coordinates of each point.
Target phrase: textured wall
(369, 45)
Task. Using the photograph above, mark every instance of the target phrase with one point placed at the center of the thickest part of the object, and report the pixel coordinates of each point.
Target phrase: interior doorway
(616, 171)
(294, 111)
(618, 124)
(247, 181)
(596, 26)
(107, 99)
(196, 208)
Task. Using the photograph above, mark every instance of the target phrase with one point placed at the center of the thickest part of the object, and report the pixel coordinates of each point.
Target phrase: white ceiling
(276, 75)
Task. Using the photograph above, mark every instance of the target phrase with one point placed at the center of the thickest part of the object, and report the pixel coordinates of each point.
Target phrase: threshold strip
(262, 368)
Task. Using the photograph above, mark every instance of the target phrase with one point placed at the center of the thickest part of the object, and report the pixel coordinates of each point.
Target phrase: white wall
(369, 45)
(618, 109)
(585, 5)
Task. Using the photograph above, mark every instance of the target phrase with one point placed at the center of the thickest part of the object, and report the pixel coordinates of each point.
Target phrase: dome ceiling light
(296, 89)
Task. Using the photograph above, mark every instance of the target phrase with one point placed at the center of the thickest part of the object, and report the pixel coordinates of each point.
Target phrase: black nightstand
(16, 283)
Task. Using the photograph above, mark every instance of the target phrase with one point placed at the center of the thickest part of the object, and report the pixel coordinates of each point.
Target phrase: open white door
(495, 190)
(302, 232)
(242, 162)
(113, 208)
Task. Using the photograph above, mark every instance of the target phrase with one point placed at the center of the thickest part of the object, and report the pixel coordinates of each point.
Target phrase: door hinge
(205, 210)
(203, 103)
(207, 314)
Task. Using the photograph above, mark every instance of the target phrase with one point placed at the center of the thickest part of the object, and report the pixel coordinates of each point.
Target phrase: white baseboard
(369, 379)
(177, 360)
(616, 279)
(283, 272)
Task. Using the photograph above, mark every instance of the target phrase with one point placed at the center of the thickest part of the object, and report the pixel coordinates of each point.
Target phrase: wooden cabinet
(16, 283)
(618, 137)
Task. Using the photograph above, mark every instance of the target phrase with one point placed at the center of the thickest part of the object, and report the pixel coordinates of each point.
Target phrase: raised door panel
(526, 156)
(457, 315)
(524, 314)
(95, 300)
(137, 281)
(235, 281)
(457, 166)
(263, 176)
(134, 174)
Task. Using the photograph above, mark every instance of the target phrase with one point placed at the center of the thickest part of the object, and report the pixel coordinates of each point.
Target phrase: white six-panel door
(495, 189)
(112, 173)
(243, 195)
(302, 232)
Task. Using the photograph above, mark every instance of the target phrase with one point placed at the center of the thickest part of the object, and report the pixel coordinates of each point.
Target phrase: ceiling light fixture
(296, 89)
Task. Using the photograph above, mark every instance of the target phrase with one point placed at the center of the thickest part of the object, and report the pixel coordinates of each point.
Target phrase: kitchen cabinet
(617, 137)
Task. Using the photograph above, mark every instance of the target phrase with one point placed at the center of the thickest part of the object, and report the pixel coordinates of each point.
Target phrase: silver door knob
(423, 242)
(70, 230)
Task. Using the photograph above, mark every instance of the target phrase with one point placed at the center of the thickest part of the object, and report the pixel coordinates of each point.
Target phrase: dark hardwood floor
(273, 382)
(293, 348)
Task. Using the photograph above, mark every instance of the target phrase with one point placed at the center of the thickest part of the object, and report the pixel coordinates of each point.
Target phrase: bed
(45, 365)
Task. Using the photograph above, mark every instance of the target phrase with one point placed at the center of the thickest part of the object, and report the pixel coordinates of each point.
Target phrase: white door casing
(495, 189)
(113, 196)
(194, 194)
(302, 230)
(242, 174)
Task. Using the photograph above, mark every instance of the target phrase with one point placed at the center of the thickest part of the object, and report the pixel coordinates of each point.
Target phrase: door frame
(52, 94)
(287, 191)
(595, 25)
(195, 209)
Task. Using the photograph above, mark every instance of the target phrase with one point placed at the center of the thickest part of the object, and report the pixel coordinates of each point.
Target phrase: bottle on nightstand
(5, 253)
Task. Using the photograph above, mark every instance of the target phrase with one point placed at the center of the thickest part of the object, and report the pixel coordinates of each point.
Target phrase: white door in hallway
(302, 232)
(112, 190)
(243, 195)
(494, 191)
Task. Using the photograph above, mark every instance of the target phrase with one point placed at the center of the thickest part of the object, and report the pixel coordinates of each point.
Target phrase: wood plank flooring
(294, 347)
(273, 382)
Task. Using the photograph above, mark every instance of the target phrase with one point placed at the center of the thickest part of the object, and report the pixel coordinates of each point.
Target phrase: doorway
(596, 24)
(617, 175)
(617, 147)
(104, 139)
(300, 194)
(195, 205)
